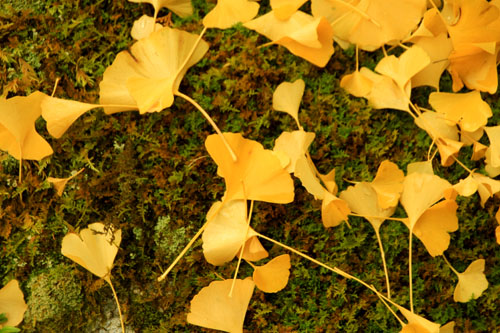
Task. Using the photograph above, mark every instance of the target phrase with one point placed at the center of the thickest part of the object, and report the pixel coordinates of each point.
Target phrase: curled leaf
(333, 210)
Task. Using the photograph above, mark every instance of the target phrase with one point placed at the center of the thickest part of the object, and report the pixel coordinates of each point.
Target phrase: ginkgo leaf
(493, 133)
(471, 283)
(329, 181)
(273, 276)
(388, 184)
(12, 304)
(287, 97)
(229, 12)
(371, 23)
(303, 35)
(468, 109)
(143, 27)
(254, 251)
(60, 183)
(295, 145)
(486, 186)
(385, 93)
(148, 76)
(478, 151)
(255, 175)
(225, 233)
(420, 192)
(357, 84)
(213, 308)
(333, 210)
(60, 114)
(283, 9)
(183, 8)
(304, 171)
(418, 324)
(362, 199)
(434, 225)
(491, 169)
(18, 135)
(94, 249)
(402, 69)
(420, 167)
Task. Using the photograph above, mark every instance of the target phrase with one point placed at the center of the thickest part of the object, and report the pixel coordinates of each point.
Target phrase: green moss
(54, 296)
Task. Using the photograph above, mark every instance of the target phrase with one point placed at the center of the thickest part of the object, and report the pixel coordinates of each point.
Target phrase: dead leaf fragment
(273, 276)
(12, 303)
(471, 283)
(18, 135)
(213, 308)
(60, 183)
(94, 249)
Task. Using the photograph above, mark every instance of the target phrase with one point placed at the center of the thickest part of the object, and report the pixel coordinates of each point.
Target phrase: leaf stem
(410, 270)
(449, 265)
(382, 254)
(210, 120)
(108, 280)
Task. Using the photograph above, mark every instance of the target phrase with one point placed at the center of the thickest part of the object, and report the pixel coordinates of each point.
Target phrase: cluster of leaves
(147, 78)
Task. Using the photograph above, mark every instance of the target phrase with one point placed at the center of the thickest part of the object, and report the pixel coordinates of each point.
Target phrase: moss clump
(169, 239)
(54, 294)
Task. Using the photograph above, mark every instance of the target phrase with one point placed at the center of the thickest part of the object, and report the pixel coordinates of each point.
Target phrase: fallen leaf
(229, 12)
(255, 175)
(471, 283)
(295, 145)
(388, 184)
(12, 304)
(213, 308)
(283, 9)
(287, 97)
(60, 183)
(183, 8)
(225, 232)
(273, 276)
(303, 35)
(147, 77)
(143, 27)
(254, 251)
(305, 172)
(94, 249)
(18, 135)
(334, 210)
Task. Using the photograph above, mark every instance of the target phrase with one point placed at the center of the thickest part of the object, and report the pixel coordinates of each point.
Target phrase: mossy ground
(152, 177)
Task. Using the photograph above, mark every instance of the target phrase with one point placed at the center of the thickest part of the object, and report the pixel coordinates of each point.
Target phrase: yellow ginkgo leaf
(420, 167)
(295, 145)
(183, 8)
(283, 9)
(303, 35)
(12, 304)
(304, 171)
(418, 324)
(148, 76)
(493, 133)
(388, 184)
(256, 174)
(273, 276)
(287, 97)
(225, 233)
(329, 181)
(213, 308)
(254, 251)
(357, 84)
(18, 135)
(492, 170)
(333, 210)
(471, 283)
(420, 192)
(229, 12)
(468, 109)
(362, 199)
(143, 27)
(60, 183)
(402, 69)
(478, 151)
(94, 249)
(61, 113)
(434, 225)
